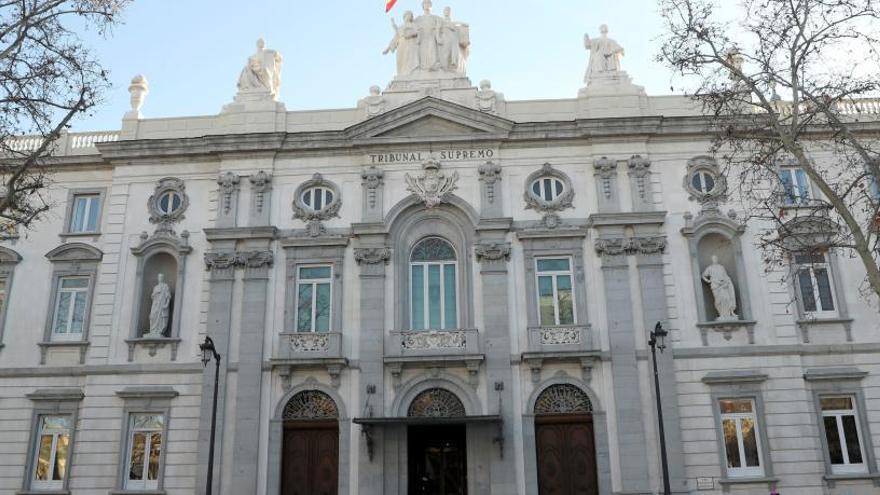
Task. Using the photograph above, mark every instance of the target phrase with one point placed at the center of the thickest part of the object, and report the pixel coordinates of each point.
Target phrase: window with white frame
(51, 452)
(703, 181)
(84, 213)
(739, 429)
(317, 198)
(433, 285)
(144, 451)
(313, 298)
(815, 284)
(71, 302)
(842, 435)
(795, 186)
(555, 293)
(548, 188)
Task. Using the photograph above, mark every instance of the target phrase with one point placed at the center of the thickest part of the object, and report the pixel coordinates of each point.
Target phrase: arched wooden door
(310, 455)
(566, 450)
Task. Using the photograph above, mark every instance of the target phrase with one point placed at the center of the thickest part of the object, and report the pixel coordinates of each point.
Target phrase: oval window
(170, 202)
(548, 188)
(703, 181)
(317, 198)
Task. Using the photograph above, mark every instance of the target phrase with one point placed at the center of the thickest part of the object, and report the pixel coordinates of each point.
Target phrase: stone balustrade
(568, 338)
(433, 343)
(74, 143)
(310, 345)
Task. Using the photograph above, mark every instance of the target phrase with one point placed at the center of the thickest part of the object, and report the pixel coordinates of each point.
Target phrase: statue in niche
(160, 309)
(605, 54)
(262, 72)
(405, 44)
(722, 288)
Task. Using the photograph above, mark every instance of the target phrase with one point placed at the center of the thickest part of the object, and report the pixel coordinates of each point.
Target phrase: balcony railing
(74, 143)
(309, 345)
(433, 343)
(568, 338)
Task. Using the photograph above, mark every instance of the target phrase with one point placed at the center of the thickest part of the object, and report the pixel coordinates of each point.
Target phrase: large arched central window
(433, 286)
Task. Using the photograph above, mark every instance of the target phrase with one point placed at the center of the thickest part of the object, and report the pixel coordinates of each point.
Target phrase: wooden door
(310, 463)
(566, 455)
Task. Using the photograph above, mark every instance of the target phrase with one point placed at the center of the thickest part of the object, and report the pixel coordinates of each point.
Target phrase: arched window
(563, 399)
(436, 403)
(310, 405)
(433, 285)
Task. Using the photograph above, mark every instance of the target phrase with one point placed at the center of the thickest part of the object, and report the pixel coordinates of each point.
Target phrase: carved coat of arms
(433, 185)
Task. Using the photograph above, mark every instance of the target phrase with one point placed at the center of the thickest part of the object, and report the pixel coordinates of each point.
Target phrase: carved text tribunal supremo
(444, 155)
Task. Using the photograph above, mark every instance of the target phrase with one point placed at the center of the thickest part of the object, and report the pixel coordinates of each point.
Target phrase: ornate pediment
(432, 119)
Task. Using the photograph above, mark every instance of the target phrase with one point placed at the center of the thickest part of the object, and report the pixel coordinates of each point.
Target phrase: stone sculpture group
(430, 43)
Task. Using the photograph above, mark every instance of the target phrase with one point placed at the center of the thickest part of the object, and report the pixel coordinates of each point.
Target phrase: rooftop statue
(605, 55)
(262, 72)
(430, 44)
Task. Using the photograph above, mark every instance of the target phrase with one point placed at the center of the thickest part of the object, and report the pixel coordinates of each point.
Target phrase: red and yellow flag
(389, 4)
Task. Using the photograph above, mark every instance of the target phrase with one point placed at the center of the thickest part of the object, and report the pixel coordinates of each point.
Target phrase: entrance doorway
(566, 451)
(437, 460)
(310, 452)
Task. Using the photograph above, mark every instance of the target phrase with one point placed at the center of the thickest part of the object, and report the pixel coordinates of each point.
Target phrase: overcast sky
(192, 51)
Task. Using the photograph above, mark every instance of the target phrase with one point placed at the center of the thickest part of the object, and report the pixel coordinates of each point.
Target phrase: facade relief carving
(228, 183)
(492, 251)
(261, 185)
(431, 340)
(549, 191)
(233, 259)
(372, 179)
(316, 201)
(374, 104)
(618, 246)
(372, 255)
(433, 186)
(487, 99)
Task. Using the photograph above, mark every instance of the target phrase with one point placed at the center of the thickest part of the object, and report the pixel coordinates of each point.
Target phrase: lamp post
(208, 353)
(658, 341)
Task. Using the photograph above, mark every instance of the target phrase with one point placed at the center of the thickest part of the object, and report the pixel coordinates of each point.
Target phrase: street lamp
(658, 341)
(210, 352)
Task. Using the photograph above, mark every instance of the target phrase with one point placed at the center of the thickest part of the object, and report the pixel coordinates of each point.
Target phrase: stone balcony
(577, 343)
(299, 350)
(433, 349)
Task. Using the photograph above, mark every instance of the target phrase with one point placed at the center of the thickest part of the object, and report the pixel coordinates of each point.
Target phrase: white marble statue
(405, 44)
(605, 54)
(487, 98)
(375, 103)
(262, 73)
(430, 44)
(160, 309)
(455, 44)
(722, 290)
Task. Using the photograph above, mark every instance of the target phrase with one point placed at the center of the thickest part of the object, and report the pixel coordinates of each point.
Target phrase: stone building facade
(437, 281)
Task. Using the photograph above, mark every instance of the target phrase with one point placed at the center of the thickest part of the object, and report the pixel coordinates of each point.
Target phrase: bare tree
(47, 78)
(821, 56)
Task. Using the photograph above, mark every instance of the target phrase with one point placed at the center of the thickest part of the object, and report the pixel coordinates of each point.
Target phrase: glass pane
(787, 187)
(806, 284)
(434, 297)
(307, 199)
(41, 470)
(136, 467)
(417, 290)
(322, 308)
(832, 437)
(836, 403)
(852, 439)
(553, 265)
(328, 196)
(155, 454)
(62, 312)
(814, 258)
(803, 185)
(176, 200)
(433, 249)
(750, 442)
(314, 272)
(79, 313)
(451, 316)
(304, 308)
(62, 447)
(545, 300)
(92, 224)
(548, 190)
(164, 203)
(77, 218)
(74, 283)
(730, 443)
(148, 421)
(536, 188)
(825, 296)
(55, 423)
(566, 304)
(736, 406)
(319, 199)
(558, 185)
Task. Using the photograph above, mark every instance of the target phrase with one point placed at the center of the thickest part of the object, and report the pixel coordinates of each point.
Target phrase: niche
(721, 247)
(166, 265)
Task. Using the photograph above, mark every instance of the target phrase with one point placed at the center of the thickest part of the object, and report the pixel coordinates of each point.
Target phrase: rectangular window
(815, 285)
(313, 298)
(554, 287)
(434, 295)
(144, 451)
(70, 308)
(739, 427)
(795, 186)
(51, 453)
(842, 435)
(84, 213)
